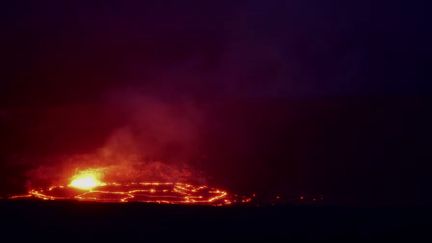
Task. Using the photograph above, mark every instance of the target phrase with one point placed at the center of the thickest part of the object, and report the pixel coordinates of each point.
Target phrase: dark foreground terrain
(71, 221)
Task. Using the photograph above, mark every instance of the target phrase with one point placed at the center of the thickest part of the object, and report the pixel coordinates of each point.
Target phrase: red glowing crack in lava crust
(87, 186)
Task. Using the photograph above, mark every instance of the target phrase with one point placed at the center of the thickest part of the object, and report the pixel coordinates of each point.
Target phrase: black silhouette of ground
(77, 221)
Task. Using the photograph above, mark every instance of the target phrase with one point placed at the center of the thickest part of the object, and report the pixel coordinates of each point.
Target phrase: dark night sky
(286, 97)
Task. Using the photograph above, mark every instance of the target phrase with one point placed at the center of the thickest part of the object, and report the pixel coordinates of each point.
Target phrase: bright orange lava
(87, 186)
(86, 180)
(149, 192)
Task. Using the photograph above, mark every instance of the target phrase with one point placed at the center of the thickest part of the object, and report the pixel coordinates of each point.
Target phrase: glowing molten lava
(86, 180)
(87, 185)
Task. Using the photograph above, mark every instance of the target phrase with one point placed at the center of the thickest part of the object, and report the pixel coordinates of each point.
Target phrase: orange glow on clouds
(120, 171)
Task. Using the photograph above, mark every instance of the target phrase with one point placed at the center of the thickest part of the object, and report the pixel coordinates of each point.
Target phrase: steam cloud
(156, 143)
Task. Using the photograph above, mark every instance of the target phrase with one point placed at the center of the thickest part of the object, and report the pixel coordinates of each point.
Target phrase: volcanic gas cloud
(130, 167)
